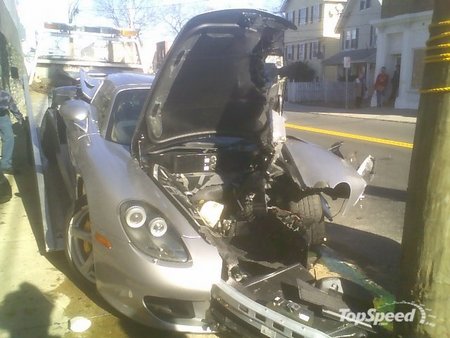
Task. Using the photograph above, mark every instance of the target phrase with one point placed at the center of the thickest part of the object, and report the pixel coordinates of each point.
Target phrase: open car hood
(214, 79)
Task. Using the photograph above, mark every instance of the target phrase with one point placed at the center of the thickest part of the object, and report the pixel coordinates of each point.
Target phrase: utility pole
(425, 261)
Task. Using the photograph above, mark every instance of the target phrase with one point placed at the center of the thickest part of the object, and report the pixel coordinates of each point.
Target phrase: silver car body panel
(320, 168)
(124, 285)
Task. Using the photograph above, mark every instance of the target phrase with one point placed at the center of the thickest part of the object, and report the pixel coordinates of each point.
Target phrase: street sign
(347, 61)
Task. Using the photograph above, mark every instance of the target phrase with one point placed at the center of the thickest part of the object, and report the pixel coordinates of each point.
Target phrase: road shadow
(25, 313)
(376, 255)
(26, 182)
(388, 193)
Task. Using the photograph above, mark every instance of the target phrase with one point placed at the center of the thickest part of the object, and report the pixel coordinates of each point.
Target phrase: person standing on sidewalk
(380, 85)
(7, 106)
(360, 88)
(395, 83)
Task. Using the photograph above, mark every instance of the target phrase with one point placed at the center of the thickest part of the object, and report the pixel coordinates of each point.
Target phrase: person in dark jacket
(395, 83)
(7, 107)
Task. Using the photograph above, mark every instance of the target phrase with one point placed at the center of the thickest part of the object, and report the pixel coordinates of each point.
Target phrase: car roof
(129, 79)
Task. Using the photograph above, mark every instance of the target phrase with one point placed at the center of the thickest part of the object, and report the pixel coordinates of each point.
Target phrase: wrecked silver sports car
(184, 201)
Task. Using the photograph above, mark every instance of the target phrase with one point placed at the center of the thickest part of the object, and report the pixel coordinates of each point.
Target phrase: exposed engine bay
(244, 201)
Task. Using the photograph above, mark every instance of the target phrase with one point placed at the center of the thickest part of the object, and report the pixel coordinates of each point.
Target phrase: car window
(102, 103)
(125, 113)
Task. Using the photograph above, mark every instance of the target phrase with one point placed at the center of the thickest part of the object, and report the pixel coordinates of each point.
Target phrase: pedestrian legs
(379, 98)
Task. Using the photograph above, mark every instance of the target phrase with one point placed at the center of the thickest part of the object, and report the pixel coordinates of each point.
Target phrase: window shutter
(312, 14)
(357, 38)
(307, 10)
(320, 12)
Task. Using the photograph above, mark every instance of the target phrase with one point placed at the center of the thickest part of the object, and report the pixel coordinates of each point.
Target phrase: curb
(389, 118)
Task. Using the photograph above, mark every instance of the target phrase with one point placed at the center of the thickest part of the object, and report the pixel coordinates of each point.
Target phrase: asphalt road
(39, 295)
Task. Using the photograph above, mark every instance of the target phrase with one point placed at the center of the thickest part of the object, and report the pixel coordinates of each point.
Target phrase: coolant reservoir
(211, 212)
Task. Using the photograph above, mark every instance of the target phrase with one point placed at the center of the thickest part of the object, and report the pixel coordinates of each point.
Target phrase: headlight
(158, 227)
(135, 216)
(150, 232)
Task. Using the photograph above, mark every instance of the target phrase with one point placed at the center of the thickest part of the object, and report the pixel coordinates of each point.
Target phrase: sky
(34, 13)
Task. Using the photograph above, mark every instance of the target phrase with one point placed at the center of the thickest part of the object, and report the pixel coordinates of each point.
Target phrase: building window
(315, 48)
(306, 52)
(417, 68)
(303, 16)
(301, 51)
(287, 16)
(364, 4)
(316, 13)
(293, 17)
(373, 37)
(320, 15)
(351, 39)
(310, 50)
(289, 52)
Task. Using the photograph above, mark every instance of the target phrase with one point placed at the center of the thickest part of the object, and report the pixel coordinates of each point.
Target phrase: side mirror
(74, 110)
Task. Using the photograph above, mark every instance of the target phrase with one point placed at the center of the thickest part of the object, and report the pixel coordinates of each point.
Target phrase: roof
(356, 56)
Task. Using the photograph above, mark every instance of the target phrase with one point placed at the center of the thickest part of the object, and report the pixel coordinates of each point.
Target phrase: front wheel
(310, 210)
(79, 249)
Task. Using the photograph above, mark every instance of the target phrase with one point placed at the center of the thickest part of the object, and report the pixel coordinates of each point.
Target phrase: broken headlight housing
(150, 232)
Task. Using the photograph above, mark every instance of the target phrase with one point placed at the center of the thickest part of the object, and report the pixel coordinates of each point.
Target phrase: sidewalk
(382, 114)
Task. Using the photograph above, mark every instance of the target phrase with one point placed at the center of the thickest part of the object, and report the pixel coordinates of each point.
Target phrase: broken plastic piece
(79, 324)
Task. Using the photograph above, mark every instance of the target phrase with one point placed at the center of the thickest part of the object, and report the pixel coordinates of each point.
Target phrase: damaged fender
(320, 169)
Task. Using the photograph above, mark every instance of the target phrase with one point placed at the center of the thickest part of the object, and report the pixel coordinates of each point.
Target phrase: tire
(78, 244)
(310, 210)
(48, 137)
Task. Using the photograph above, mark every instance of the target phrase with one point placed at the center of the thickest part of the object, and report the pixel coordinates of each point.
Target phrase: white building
(315, 39)
(358, 39)
(402, 33)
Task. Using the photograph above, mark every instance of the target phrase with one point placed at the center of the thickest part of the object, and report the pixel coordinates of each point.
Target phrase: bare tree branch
(134, 14)
(73, 10)
(176, 15)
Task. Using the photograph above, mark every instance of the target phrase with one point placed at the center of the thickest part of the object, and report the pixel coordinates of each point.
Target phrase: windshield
(88, 47)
